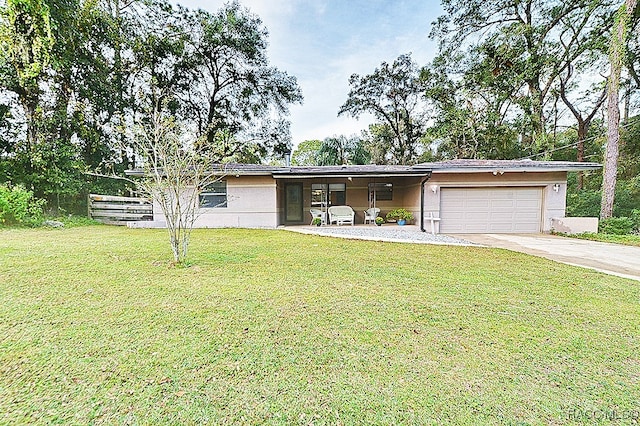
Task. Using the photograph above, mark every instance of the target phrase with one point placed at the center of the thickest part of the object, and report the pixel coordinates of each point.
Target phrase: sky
(323, 42)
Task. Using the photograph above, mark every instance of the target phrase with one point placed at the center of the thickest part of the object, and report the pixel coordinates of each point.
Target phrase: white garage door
(490, 210)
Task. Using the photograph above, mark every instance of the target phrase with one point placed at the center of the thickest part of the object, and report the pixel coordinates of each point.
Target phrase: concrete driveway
(614, 259)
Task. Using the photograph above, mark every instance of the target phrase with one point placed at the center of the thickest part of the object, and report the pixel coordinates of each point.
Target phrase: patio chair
(317, 213)
(371, 214)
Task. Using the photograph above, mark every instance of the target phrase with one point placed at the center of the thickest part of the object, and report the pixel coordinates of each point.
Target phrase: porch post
(373, 194)
(422, 182)
(324, 200)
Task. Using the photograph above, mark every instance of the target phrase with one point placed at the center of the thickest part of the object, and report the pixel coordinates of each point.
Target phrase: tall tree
(377, 139)
(617, 56)
(633, 61)
(76, 80)
(70, 97)
(26, 41)
(394, 95)
(234, 97)
(73, 73)
(584, 41)
(472, 100)
(528, 36)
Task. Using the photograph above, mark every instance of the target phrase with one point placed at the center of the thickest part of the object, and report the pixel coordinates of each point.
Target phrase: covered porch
(359, 187)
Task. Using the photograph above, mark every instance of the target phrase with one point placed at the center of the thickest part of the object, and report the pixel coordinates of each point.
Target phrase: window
(214, 195)
(381, 191)
(333, 194)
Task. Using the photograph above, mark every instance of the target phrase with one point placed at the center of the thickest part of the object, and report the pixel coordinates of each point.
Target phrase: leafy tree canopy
(230, 86)
(393, 93)
(338, 150)
(306, 154)
(74, 74)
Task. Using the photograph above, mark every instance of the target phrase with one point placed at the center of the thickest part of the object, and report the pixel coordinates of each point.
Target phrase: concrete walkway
(614, 259)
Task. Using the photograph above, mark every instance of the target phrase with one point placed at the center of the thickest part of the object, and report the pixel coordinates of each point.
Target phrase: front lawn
(281, 328)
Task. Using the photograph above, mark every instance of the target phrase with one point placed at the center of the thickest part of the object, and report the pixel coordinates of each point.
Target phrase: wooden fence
(119, 210)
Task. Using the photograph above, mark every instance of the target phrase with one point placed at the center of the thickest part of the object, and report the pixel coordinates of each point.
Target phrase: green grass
(271, 327)
(629, 240)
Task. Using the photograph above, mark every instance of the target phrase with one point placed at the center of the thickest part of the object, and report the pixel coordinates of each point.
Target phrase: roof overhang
(507, 166)
(360, 171)
(423, 170)
(224, 170)
(350, 175)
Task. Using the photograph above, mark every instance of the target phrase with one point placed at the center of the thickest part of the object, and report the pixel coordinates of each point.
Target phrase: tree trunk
(30, 107)
(611, 153)
(626, 99)
(616, 57)
(539, 135)
(583, 128)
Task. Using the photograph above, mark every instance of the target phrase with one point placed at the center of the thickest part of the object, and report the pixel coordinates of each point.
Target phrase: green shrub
(18, 206)
(587, 201)
(635, 218)
(616, 226)
(627, 197)
(400, 214)
(583, 203)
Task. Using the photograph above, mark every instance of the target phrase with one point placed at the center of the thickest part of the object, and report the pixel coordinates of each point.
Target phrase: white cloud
(323, 42)
(327, 91)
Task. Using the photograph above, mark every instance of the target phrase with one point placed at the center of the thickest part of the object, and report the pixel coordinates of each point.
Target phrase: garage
(491, 210)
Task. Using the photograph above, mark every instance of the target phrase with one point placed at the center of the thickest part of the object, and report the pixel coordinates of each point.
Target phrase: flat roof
(229, 169)
(422, 169)
(368, 170)
(474, 166)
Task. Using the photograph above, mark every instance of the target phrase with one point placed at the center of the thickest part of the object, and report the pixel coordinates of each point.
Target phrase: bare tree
(175, 173)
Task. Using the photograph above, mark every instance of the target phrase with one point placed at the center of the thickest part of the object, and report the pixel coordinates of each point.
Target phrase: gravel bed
(386, 233)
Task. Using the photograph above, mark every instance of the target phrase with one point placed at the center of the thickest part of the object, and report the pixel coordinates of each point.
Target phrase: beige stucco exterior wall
(553, 203)
(258, 201)
(251, 203)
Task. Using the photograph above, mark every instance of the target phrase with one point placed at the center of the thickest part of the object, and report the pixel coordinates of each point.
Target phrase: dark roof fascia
(306, 173)
(233, 169)
(421, 173)
(370, 171)
(377, 171)
(510, 167)
(225, 170)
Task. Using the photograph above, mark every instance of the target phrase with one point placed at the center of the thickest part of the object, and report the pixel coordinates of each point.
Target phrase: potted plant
(316, 221)
(401, 216)
(379, 220)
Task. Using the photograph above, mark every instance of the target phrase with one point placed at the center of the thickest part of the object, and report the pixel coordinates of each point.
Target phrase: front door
(293, 202)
